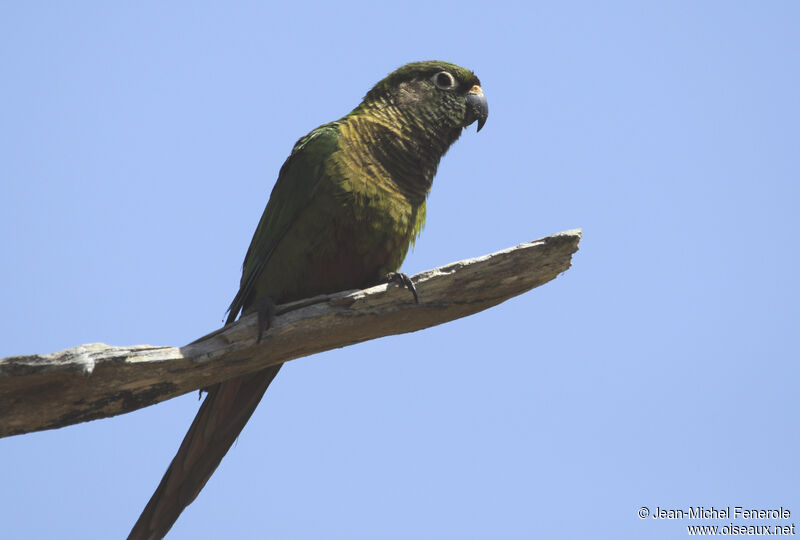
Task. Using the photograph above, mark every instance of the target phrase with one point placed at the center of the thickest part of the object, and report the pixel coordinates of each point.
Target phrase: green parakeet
(348, 203)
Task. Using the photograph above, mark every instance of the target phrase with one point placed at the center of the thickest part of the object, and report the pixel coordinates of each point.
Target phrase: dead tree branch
(96, 381)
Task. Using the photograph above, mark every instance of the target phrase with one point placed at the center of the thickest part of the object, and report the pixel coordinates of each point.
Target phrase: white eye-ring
(444, 80)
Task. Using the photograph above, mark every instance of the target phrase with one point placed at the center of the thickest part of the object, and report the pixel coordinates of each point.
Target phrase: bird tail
(222, 416)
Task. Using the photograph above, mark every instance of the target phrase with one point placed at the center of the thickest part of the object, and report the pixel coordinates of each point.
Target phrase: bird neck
(407, 142)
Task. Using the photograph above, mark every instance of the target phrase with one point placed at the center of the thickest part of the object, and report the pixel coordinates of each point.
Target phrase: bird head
(436, 95)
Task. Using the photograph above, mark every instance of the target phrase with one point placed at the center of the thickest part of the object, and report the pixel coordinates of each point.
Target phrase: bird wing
(229, 405)
(294, 191)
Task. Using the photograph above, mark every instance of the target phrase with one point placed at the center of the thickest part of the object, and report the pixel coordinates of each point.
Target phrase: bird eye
(444, 80)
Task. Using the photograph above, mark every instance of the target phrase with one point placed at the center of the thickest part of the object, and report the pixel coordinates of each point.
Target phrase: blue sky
(138, 146)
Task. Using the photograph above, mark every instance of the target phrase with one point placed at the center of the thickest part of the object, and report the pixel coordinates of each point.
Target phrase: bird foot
(404, 281)
(265, 308)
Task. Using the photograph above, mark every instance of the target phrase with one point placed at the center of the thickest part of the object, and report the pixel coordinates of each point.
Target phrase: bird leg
(265, 307)
(404, 281)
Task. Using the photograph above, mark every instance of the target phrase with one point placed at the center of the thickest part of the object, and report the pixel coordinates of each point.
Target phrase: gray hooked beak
(477, 106)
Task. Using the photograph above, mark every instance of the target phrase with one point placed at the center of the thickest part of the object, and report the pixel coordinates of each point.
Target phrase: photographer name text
(728, 512)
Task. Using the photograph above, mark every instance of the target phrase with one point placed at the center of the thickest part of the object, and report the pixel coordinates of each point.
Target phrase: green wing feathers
(293, 193)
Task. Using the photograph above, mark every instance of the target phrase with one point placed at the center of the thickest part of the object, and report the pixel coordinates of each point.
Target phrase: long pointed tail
(226, 409)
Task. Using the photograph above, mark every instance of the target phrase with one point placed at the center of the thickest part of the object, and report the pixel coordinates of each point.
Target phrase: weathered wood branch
(96, 381)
